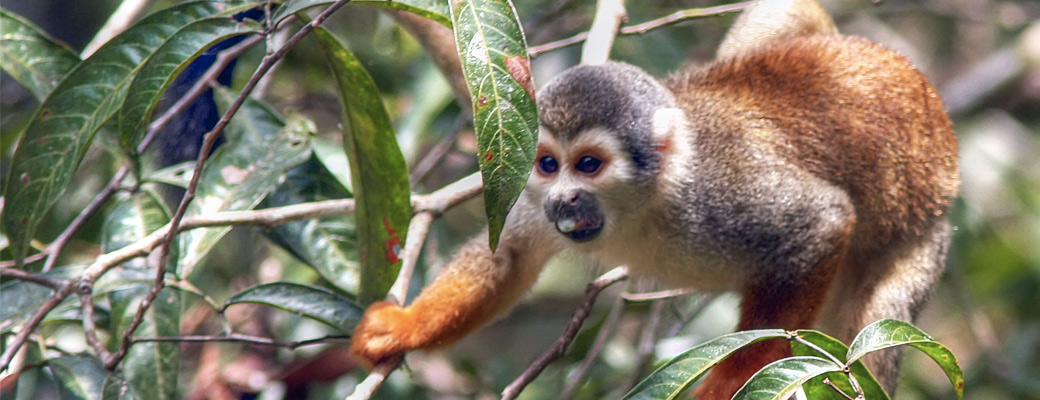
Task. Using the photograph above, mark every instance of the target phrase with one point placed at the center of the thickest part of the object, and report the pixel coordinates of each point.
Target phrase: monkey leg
(792, 277)
(889, 284)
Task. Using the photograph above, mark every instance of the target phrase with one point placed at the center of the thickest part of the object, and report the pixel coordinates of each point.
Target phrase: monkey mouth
(580, 230)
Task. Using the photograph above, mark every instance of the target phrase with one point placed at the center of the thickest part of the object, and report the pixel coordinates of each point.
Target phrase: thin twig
(417, 230)
(702, 304)
(828, 382)
(437, 153)
(52, 284)
(639, 29)
(239, 338)
(200, 87)
(27, 329)
(55, 248)
(28, 260)
(209, 141)
(439, 202)
(647, 338)
(86, 300)
(560, 347)
(610, 14)
(605, 332)
(125, 14)
(654, 296)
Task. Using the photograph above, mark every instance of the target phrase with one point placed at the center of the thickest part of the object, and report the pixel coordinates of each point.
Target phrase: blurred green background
(983, 55)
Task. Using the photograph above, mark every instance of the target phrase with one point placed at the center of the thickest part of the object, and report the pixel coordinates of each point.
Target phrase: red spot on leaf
(393, 244)
(482, 101)
(24, 177)
(25, 220)
(488, 156)
(520, 69)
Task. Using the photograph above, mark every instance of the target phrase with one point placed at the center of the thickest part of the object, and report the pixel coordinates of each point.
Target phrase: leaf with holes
(779, 379)
(889, 333)
(377, 170)
(309, 301)
(151, 369)
(165, 65)
(260, 148)
(674, 378)
(31, 57)
(62, 128)
(493, 50)
(329, 245)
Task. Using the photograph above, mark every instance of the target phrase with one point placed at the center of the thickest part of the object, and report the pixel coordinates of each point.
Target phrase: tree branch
(639, 29)
(559, 348)
(209, 140)
(609, 16)
(239, 338)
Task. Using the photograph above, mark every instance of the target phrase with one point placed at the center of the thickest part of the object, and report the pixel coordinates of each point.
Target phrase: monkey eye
(548, 165)
(588, 165)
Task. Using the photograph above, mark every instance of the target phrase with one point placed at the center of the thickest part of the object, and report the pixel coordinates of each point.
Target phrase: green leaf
(779, 380)
(377, 170)
(80, 376)
(309, 301)
(18, 299)
(151, 369)
(117, 388)
(177, 175)
(436, 10)
(62, 128)
(31, 57)
(329, 245)
(260, 148)
(815, 388)
(888, 333)
(165, 65)
(673, 378)
(493, 50)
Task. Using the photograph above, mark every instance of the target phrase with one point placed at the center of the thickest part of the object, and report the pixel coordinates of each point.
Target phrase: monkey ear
(666, 124)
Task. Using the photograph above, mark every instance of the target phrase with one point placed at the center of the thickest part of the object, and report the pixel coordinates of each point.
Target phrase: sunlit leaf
(151, 369)
(889, 333)
(377, 170)
(436, 10)
(674, 378)
(815, 388)
(62, 128)
(260, 148)
(493, 50)
(166, 64)
(31, 57)
(309, 301)
(779, 380)
(80, 376)
(329, 245)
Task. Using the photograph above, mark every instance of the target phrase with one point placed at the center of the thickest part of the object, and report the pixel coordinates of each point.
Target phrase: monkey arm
(475, 287)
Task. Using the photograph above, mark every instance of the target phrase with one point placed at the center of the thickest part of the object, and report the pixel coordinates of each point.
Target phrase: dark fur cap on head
(614, 95)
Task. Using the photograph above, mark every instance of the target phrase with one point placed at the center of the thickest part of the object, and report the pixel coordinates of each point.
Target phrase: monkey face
(583, 182)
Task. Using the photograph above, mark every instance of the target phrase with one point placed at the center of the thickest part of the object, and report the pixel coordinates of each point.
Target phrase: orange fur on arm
(474, 288)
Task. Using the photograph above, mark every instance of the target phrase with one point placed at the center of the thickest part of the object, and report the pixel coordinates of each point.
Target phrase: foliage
(106, 326)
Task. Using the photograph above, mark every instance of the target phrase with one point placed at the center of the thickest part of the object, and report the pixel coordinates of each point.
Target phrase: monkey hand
(384, 332)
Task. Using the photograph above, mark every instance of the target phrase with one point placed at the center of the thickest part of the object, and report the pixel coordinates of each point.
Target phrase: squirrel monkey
(808, 171)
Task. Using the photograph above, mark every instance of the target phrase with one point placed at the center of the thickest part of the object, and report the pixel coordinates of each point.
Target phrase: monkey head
(601, 147)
